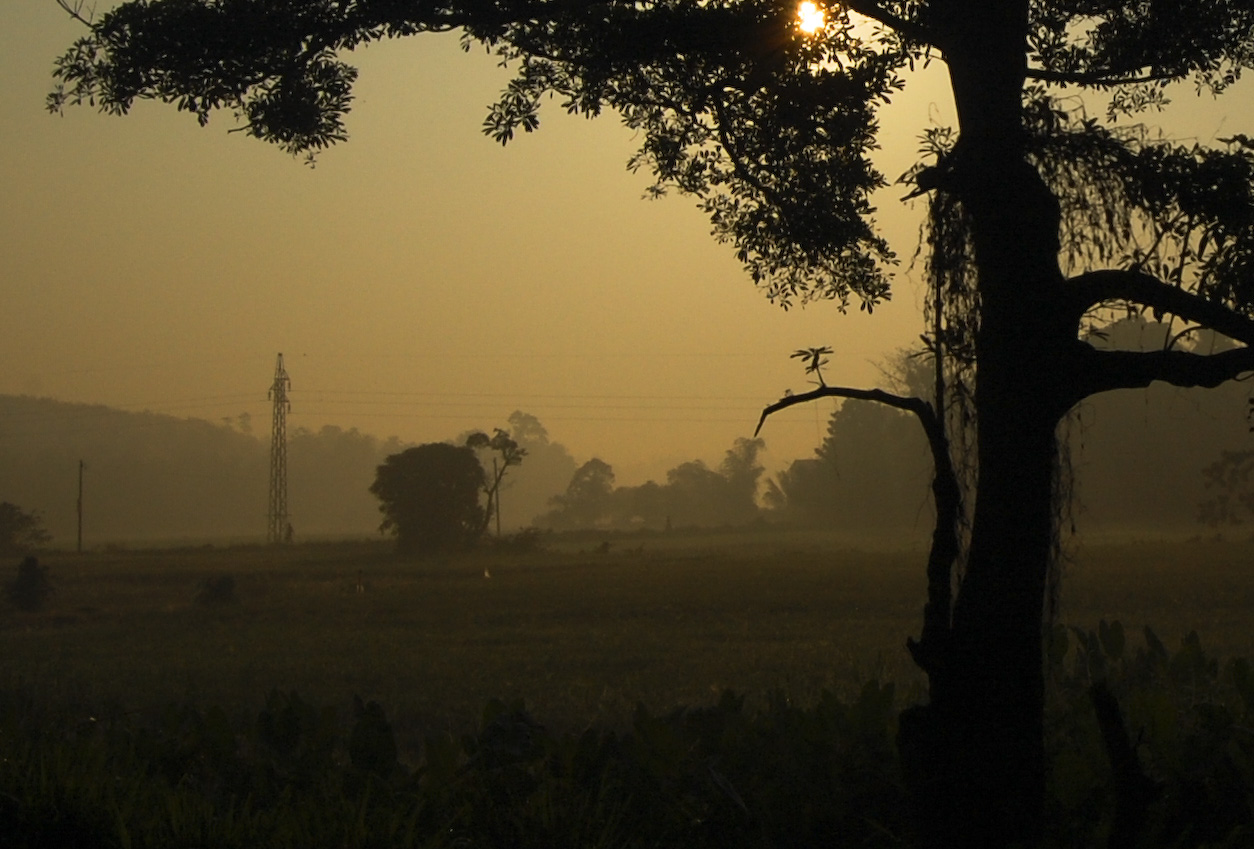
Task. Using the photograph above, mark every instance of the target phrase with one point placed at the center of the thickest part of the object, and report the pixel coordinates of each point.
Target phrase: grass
(580, 635)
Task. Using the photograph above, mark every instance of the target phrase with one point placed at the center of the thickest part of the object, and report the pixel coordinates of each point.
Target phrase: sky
(421, 280)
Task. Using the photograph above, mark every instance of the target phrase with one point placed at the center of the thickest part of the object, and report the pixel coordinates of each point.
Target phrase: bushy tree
(586, 498)
(429, 497)
(1039, 214)
(20, 531)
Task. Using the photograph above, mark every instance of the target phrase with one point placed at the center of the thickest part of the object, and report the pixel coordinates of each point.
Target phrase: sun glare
(810, 18)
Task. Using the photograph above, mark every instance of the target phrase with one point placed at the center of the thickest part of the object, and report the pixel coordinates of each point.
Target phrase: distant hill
(156, 477)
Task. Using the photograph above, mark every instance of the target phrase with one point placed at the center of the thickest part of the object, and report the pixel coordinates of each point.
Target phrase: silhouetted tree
(429, 497)
(869, 474)
(1230, 490)
(20, 531)
(1038, 214)
(506, 454)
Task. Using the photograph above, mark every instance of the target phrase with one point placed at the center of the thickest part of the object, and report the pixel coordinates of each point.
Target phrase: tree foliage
(429, 497)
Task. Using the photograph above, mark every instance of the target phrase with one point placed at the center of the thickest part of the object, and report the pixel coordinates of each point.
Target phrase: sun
(810, 18)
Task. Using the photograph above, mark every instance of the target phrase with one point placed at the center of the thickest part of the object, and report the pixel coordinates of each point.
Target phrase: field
(580, 634)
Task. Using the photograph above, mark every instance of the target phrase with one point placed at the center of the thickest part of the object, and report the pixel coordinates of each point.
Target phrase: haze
(421, 281)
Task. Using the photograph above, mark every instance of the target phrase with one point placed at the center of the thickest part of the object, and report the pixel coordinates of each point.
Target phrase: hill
(151, 477)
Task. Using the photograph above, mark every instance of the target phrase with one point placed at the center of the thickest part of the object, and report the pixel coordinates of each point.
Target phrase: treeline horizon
(1159, 461)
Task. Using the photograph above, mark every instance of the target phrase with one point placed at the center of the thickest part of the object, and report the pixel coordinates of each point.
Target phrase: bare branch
(75, 10)
(910, 404)
(930, 651)
(1095, 287)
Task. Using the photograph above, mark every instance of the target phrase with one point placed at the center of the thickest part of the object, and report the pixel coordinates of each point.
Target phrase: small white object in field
(486, 573)
(361, 585)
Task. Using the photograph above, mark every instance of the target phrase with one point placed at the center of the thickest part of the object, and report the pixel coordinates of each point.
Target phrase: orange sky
(420, 281)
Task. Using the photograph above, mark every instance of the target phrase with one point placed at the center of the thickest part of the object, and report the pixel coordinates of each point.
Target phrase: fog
(423, 282)
(1138, 461)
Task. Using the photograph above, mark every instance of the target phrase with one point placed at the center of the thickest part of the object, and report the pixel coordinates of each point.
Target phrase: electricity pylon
(280, 529)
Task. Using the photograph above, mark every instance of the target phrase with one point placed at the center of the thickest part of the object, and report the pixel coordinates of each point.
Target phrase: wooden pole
(81, 466)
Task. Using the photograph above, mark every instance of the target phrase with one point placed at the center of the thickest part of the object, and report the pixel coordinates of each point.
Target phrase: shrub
(31, 588)
(525, 541)
(216, 591)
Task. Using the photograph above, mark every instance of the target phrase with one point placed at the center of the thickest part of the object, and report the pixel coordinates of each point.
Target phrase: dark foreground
(135, 711)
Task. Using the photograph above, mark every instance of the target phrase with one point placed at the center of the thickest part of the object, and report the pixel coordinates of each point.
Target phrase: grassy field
(581, 635)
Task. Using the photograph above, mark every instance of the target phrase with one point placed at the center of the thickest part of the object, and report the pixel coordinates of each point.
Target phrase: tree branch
(898, 24)
(75, 11)
(1090, 289)
(1095, 78)
(1102, 371)
(910, 404)
(930, 651)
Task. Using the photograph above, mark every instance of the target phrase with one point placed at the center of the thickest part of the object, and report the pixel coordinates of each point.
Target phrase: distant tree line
(1161, 460)
(693, 495)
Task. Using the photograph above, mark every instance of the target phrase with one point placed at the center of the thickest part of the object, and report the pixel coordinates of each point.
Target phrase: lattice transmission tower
(280, 528)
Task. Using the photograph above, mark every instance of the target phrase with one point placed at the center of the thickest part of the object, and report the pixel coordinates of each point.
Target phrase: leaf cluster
(1140, 48)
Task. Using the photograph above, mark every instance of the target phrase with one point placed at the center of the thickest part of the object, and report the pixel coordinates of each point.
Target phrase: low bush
(216, 591)
(31, 588)
(525, 541)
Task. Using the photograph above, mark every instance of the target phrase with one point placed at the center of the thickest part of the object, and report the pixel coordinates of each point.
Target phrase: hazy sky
(420, 281)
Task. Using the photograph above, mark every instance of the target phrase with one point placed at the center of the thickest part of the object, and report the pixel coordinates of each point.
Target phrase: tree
(548, 470)
(507, 454)
(20, 531)
(868, 475)
(587, 497)
(1038, 216)
(429, 497)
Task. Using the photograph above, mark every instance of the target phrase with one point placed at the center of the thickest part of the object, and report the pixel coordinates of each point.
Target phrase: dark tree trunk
(975, 754)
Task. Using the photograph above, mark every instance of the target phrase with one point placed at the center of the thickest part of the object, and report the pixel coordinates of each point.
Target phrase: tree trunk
(975, 754)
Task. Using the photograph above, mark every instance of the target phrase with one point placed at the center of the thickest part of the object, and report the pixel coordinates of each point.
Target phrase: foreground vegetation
(727, 690)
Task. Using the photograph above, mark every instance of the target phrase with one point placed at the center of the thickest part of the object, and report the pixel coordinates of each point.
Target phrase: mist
(1138, 462)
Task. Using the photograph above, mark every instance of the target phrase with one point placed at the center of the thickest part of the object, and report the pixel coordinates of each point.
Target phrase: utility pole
(81, 466)
(279, 527)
